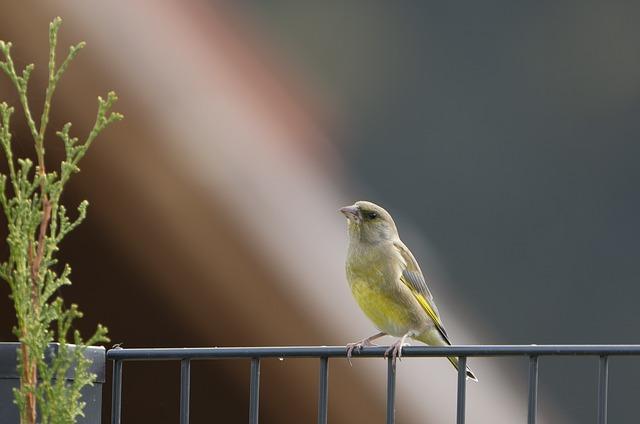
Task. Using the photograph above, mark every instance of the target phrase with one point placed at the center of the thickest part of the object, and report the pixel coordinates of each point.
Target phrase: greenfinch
(388, 285)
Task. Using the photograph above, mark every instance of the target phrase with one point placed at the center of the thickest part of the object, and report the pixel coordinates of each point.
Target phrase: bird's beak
(351, 212)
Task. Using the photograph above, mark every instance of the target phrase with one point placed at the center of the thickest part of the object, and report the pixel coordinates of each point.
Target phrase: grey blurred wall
(509, 134)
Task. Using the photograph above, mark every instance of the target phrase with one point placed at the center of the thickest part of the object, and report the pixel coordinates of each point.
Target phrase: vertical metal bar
(185, 389)
(116, 392)
(391, 390)
(254, 394)
(323, 395)
(533, 389)
(603, 386)
(462, 389)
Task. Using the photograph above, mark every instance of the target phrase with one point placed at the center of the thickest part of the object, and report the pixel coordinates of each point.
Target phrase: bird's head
(369, 222)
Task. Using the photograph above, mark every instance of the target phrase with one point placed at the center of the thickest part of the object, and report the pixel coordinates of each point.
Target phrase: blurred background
(502, 136)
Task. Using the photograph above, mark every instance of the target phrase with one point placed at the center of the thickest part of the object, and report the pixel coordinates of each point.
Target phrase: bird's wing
(413, 278)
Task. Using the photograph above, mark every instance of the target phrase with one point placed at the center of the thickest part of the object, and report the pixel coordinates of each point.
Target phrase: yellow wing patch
(413, 278)
(425, 305)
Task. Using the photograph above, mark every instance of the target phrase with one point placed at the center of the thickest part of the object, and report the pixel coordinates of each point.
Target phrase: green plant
(37, 223)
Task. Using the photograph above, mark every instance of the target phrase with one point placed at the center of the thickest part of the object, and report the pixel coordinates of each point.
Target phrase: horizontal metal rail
(370, 352)
(256, 354)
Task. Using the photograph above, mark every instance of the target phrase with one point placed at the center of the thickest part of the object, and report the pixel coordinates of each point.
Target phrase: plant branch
(37, 223)
(20, 83)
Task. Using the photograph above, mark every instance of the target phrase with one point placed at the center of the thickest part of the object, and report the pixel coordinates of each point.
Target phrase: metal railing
(323, 353)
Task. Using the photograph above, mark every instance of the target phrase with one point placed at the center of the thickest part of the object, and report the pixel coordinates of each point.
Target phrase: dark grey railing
(323, 353)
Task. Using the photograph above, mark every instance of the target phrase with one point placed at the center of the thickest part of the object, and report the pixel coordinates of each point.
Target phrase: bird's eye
(371, 215)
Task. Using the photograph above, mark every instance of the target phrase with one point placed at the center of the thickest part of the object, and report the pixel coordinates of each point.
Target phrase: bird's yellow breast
(384, 308)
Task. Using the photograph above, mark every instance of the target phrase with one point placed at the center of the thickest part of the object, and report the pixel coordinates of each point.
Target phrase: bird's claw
(350, 348)
(395, 351)
(357, 346)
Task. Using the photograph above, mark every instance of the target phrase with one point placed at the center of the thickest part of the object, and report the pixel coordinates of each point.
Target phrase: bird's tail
(436, 338)
(470, 374)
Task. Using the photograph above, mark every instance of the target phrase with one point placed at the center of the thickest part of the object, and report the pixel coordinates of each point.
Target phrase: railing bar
(185, 390)
(391, 390)
(603, 386)
(254, 391)
(323, 395)
(533, 389)
(340, 351)
(462, 389)
(116, 393)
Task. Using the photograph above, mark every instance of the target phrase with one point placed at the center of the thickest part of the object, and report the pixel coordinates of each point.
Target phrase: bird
(388, 285)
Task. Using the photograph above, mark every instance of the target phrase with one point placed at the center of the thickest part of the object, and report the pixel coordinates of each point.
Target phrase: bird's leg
(357, 346)
(395, 349)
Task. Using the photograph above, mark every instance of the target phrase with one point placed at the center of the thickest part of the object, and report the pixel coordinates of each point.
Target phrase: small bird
(388, 285)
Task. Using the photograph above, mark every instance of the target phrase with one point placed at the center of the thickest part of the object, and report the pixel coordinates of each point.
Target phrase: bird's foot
(357, 346)
(395, 350)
